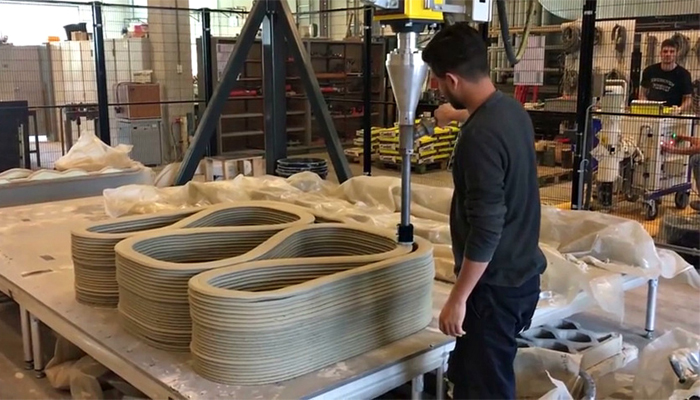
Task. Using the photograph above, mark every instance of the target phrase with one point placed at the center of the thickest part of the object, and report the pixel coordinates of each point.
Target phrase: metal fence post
(207, 73)
(585, 79)
(274, 57)
(367, 98)
(100, 72)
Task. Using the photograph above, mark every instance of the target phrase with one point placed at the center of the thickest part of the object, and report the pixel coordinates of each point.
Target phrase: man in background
(694, 163)
(494, 218)
(668, 81)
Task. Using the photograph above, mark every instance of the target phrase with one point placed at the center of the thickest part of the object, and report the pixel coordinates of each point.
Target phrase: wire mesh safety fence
(155, 71)
(641, 143)
(543, 81)
(152, 74)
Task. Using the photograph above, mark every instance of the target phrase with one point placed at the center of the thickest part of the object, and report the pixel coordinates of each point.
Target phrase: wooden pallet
(554, 177)
(358, 159)
(355, 159)
(417, 168)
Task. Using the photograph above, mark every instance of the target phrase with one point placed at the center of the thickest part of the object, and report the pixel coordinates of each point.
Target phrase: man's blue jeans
(481, 365)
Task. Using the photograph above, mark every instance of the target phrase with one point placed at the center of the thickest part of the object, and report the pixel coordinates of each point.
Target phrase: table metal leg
(651, 308)
(440, 382)
(26, 338)
(36, 347)
(417, 388)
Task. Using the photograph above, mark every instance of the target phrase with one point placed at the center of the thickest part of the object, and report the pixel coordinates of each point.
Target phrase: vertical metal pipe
(26, 338)
(274, 99)
(100, 71)
(650, 323)
(367, 95)
(36, 346)
(417, 388)
(440, 382)
(208, 73)
(584, 140)
(406, 138)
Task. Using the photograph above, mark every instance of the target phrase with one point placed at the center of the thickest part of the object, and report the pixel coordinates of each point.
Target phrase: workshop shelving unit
(241, 126)
(338, 66)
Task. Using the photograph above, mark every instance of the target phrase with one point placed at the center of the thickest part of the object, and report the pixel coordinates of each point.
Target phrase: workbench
(37, 272)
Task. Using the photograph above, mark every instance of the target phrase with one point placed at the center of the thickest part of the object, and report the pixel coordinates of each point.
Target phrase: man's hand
(446, 114)
(668, 148)
(452, 317)
(443, 114)
(694, 148)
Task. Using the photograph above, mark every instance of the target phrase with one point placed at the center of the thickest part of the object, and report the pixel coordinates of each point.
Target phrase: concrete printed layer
(92, 251)
(153, 268)
(326, 292)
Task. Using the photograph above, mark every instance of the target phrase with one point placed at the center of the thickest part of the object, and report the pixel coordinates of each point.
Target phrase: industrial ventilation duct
(571, 9)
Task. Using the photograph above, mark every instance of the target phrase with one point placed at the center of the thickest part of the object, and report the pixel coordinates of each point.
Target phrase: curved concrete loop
(93, 246)
(153, 267)
(262, 293)
(262, 322)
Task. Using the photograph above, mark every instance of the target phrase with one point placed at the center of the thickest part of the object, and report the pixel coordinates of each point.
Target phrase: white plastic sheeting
(546, 374)
(586, 251)
(655, 378)
(90, 154)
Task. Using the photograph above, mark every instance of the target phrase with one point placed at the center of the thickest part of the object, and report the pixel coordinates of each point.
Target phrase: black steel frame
(367, 98)
(100, 73)
(584, 141)
(207, 76)
(278, 25)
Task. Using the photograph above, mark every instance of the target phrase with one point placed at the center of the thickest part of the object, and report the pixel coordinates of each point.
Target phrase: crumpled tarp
(545, 374)
(655, 377)
(586, 251)
(72, 370)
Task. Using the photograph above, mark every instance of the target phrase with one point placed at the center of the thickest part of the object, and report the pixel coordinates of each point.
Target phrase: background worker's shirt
(495, 212)
(669, 86)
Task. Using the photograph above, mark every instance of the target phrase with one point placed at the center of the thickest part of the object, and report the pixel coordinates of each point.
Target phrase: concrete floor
(15, 381)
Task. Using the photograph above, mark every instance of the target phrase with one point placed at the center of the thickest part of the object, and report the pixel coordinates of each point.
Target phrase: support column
(367, 95)
(440, 382)
(100, 72)
(274, 80)
(584, 140)
(26, 338)
(650, 324)
(417, 385)
(37, 351)
(207, 72)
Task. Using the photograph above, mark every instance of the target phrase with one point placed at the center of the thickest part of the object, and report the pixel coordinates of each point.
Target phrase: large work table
(37, 272)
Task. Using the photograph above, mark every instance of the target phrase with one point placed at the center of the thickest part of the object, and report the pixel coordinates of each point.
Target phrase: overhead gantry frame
(278, 27)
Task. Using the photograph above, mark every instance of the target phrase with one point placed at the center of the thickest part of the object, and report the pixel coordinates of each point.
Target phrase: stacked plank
(319, 295)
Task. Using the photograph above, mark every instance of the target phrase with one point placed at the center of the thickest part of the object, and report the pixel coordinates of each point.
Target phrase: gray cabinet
(146, 137)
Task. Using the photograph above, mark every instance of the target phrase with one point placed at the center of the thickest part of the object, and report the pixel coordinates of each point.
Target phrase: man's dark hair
(458, 49)
(669, 43)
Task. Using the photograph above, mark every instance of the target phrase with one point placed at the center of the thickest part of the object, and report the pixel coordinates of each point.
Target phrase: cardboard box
(129, 92)
(221, 168)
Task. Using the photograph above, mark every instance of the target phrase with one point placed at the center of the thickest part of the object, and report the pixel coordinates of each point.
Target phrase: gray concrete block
(569, 337)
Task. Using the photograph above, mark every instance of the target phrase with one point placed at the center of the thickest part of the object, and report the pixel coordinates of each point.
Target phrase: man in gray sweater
(494, 220)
